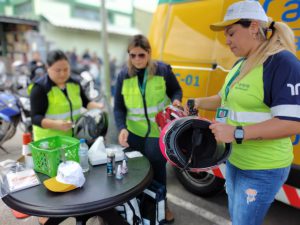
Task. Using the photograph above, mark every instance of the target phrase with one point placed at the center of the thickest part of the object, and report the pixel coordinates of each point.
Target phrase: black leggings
(150, 148)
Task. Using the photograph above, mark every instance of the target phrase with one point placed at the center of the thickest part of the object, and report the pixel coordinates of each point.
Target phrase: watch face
(239, 133)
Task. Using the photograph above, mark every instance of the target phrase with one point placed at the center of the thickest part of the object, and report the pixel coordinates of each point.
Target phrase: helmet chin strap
(196, 142)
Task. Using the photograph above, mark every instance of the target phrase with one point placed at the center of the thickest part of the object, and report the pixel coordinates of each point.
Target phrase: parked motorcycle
(14, 111)
(19, 89)
(9, 117)
(14, 104)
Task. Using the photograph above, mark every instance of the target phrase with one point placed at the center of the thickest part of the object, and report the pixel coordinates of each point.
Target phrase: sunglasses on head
(140, 55)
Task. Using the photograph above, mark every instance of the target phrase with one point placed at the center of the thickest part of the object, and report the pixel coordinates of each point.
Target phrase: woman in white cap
(262, 99)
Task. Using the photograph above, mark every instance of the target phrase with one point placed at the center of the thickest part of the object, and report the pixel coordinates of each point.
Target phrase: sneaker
(169, 216)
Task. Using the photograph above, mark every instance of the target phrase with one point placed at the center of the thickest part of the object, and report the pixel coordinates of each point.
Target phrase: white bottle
(119, 174)
(83, 155)
(26, 152)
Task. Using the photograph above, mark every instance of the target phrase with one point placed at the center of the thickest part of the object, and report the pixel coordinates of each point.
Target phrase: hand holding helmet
(167, 115)
(223, 132)
(63, 125)
(191, 107)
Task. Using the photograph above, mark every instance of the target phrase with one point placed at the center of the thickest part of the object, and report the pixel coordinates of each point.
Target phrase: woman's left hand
(223, 132)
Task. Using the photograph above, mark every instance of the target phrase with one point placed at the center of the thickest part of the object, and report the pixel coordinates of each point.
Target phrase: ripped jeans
(251, 192)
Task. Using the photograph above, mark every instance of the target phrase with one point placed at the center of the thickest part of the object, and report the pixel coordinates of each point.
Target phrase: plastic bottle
(26, 152)
(124, 168)
(83, 155)
(119, 174)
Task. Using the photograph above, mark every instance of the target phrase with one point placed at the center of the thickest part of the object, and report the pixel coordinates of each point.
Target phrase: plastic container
(83, 155)
(47, 153)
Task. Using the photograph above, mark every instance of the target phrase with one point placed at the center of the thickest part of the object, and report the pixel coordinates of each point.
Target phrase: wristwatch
(239, 134)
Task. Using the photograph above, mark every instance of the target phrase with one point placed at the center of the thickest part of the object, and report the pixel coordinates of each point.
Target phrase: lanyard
(143, 86)
(235, 75)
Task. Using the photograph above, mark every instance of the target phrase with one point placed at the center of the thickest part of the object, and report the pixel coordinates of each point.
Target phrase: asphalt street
(188, 208)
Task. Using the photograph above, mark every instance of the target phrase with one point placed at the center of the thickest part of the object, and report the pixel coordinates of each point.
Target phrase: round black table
(100, 192)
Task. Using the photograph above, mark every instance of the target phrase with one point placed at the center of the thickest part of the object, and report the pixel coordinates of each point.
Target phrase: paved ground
(188, 208)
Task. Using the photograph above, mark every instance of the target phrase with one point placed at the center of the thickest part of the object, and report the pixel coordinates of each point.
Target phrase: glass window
(90, 14)
(24, 8)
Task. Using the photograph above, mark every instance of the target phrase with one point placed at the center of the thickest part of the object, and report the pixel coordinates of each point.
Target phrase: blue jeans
(150, 148)
(251, 192)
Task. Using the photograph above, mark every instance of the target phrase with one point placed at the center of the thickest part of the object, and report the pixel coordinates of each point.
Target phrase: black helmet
(91, 124)
(189, 144)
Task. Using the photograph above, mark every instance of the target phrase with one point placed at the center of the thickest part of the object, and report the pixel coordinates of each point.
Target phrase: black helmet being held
(189, 144)
(91, 124)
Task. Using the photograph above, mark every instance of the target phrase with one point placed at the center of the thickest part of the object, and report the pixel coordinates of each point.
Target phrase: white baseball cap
(248, 9)
(69, 177)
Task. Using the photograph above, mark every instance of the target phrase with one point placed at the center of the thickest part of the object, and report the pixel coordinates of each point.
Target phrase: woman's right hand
(123, 136)
(63, 125)
(196, 105)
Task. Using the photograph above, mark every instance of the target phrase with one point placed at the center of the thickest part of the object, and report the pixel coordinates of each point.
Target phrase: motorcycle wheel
(203, 184)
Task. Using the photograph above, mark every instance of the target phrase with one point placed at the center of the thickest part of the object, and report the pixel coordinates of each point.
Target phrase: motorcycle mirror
(86, 76)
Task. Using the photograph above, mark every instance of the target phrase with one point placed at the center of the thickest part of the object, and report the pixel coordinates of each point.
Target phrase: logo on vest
(294, 88)
(242, 86)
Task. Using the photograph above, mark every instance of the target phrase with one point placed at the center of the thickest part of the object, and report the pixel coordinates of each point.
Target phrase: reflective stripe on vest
(63, 116)
(250, 90)
(135, 118)
(153, 109)
(248, 117)
(156, 100)
(59, 108)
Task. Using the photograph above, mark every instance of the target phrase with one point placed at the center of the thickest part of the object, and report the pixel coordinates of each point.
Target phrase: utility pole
(105, 68)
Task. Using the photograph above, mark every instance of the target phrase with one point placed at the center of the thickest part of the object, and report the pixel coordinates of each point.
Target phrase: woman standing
(263, 109)
(143, 89)
(56, 99)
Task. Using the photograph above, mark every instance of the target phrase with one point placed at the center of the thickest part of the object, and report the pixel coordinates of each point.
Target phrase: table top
(100, 192)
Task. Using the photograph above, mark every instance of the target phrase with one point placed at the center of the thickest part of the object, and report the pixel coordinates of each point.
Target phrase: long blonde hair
(142, 42)
(282, 38)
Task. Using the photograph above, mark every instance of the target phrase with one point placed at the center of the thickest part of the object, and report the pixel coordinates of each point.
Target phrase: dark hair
(54, 56)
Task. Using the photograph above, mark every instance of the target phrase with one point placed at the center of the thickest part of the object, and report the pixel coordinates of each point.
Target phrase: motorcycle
(19, 89)
(14, 111)
(14, 106)
(9, 117)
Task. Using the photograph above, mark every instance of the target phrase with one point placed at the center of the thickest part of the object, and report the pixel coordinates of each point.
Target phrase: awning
(81, 24)
(18, 20)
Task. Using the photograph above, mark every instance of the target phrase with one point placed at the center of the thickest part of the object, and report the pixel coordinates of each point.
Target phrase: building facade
(76, 25)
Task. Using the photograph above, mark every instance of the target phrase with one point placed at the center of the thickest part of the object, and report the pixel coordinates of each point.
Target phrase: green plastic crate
(47, 153)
